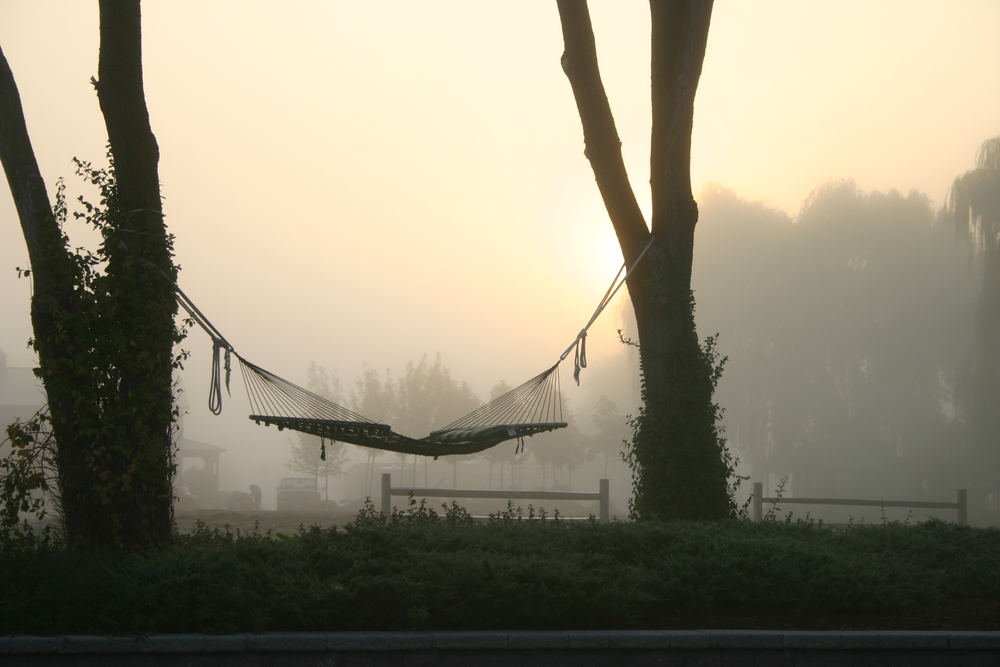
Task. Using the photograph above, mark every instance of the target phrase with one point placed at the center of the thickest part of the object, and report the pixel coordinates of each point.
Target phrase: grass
(423, 571)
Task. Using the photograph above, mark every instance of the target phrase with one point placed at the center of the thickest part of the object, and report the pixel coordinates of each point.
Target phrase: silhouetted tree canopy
(843, 330)
(310, 455)
(974, 207)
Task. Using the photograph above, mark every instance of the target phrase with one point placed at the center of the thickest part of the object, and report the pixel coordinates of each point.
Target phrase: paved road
(590, 648)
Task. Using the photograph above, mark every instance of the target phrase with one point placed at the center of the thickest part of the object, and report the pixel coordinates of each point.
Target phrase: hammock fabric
(534, 407)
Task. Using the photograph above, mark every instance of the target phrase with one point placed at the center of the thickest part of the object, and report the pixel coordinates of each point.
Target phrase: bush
(419, 569)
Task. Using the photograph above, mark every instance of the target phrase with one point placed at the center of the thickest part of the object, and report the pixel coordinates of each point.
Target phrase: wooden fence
(602, 495)
(961, 503)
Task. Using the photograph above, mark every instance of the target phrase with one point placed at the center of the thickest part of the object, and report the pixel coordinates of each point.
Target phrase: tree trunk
(681, 469)
(984, 364)
(142, 282)
(54, 306)
(107, 378)
(369, 471)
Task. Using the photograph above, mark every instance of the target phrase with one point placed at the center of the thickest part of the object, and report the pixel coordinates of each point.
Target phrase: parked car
(298, 493)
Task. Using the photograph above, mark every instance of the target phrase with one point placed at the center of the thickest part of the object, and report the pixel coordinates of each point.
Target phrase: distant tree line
(855, 341)
(426, 397)
(861, 337)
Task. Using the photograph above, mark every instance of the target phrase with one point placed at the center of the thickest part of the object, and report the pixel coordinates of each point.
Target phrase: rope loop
(579, 344)
(580, 354)
(215, 386)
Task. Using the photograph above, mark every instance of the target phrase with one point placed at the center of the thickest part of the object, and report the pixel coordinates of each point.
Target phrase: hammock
(534, 407)
(530, 408)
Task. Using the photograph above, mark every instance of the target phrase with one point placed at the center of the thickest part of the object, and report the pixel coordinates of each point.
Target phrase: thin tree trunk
(369, 474)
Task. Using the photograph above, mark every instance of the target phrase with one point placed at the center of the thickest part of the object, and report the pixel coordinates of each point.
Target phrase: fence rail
(961, 504)
(602, 495)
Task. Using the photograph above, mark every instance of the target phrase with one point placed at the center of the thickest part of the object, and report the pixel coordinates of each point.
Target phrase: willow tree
(974, 205)
(680, 463)
(104, 322)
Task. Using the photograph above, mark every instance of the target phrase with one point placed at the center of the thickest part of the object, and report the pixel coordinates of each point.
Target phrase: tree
(429, 398)
(560, 449)
(505, 453)
(375, 398)
(611, 430)
(104, 339)
(426, 397)
(681, 465)
(844, 328)
(311, 455)
(974, 206)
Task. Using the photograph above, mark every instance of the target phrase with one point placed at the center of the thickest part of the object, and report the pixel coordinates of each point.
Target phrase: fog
(362, 185)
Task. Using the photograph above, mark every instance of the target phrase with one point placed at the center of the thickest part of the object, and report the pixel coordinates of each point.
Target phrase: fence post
(963, 507)
(758, 504)
(386, 495)
(605, 501)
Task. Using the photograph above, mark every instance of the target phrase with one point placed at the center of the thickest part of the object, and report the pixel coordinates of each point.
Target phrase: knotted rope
(579, 344)
(219, 343)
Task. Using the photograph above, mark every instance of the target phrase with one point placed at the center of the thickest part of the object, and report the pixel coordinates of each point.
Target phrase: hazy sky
(357, 182)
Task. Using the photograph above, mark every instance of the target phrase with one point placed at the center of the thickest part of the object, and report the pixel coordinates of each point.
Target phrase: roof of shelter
(189, 447)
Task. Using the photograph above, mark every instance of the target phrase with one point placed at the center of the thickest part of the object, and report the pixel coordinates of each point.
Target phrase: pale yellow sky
(368, 181)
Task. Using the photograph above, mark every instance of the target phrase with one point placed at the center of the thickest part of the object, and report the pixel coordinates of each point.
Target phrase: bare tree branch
(600, 136)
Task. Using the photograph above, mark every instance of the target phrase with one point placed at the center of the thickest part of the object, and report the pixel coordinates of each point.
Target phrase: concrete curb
(734, 647)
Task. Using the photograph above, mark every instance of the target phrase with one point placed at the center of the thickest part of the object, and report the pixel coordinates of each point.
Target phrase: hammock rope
(530, 408)
(219, 343)
(579, 344)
